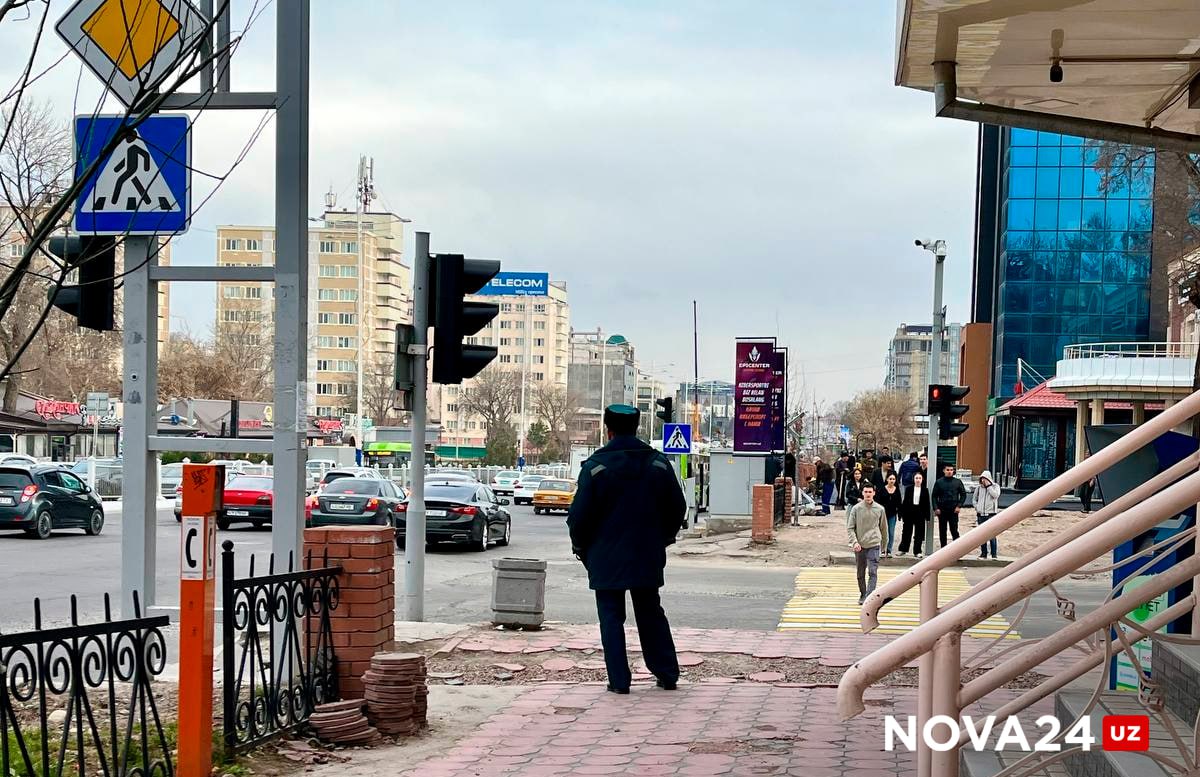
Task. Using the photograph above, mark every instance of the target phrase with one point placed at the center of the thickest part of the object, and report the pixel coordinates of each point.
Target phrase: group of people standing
(876, 503)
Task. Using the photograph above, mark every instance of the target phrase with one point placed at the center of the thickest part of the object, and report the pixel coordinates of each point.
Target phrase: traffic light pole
(414, 545)
(935, 375)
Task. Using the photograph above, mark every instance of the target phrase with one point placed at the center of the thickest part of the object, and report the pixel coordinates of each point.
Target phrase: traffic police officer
(628, 508)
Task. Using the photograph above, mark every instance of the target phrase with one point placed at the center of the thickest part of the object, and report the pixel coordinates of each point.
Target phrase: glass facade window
(1075, 259)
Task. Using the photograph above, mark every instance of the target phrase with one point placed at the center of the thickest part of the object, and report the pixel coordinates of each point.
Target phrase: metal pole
(935, 359)
(603, 377)
(140, 389)
(526, 355)
(414, 546)
(291, 280)
(359, 305)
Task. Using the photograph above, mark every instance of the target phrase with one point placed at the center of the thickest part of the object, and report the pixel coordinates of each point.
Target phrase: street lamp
(938, 249)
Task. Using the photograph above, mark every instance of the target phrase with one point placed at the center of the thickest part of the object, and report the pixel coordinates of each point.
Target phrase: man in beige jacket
(867, 532)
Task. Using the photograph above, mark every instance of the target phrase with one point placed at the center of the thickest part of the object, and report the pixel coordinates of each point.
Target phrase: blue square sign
(677, 438)
(143, 187)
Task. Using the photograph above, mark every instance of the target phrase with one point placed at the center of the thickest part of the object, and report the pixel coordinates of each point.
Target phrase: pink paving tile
(690, 659)
(558, 664)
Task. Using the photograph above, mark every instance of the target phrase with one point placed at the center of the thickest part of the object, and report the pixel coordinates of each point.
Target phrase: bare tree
(493, 395)
(379, 392)
(235, 366)
(886, 414)
(557, 407)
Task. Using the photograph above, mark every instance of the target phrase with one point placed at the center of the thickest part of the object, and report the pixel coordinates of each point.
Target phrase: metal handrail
(1024, 508)
(957, 619)
(1130, 350)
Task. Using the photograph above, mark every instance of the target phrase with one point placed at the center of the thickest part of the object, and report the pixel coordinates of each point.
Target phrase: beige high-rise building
(246, 310)
(532, 335)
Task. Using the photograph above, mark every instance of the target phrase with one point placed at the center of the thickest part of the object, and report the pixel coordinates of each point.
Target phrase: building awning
(1126, 65)
(1041, 397)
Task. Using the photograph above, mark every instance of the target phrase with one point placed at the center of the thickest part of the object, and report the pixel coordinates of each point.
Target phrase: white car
(348, 472)
(19, 459)
(525, 487)
(504, 481)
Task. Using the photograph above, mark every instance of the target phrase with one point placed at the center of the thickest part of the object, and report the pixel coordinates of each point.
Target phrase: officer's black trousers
(658, 649)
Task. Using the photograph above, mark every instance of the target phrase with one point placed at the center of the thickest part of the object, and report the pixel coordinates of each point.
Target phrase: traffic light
(667, 414)
(453, 318)
(402, 371)
(943, 400)
(92, 299)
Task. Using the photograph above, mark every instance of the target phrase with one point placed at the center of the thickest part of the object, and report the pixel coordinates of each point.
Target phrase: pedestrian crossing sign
(142, 186)
(677, 438)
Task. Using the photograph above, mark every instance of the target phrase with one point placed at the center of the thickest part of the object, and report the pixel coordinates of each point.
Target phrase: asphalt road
(458, 582)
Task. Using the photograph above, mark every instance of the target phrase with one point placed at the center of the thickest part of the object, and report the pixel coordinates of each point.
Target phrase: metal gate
(277, 648)
(100, 676)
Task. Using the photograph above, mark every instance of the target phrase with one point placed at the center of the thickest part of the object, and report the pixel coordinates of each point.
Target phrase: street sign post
(144, 187)
(132, 46)
(677, 439)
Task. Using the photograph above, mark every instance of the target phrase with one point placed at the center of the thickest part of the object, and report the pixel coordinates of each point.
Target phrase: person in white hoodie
(986, 500)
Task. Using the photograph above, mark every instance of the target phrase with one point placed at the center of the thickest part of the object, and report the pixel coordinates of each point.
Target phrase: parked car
(45, 497)
(446, 473)
(179, 503)
(348, 472)
(504, 481)
(170, 476)
(359, 502)
(315, 469)
(524, 489)
(247, 499)
(462, 512)
(553, 494)
(19, 459)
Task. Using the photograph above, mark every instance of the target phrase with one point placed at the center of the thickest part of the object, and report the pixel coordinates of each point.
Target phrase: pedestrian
(869, 463)
(914, 512)
(789, 471)
(825, 478)
(923, 463)
(1085, 494)
(627, 509)
(986, 501)
(879, 478)
(867, 532)
(854, 487)
(891, 496)
(884, 453)
(908, 469)
(842, 471)
(948, 495)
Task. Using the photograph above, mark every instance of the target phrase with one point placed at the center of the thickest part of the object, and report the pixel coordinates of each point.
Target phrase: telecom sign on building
(518, 284)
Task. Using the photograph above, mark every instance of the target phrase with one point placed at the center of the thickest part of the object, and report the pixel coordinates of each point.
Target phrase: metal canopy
(1127, 65)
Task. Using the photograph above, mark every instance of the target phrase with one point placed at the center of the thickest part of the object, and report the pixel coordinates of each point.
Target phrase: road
(699, 593)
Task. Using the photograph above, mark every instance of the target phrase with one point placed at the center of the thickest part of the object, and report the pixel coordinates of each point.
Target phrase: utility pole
(414, 546)
(603, 377)
(526, 356)
(938, 249)
(366, 193)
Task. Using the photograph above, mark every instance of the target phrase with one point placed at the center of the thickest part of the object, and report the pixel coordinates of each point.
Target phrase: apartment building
(532, 336)
(908, 365)
(335, 332)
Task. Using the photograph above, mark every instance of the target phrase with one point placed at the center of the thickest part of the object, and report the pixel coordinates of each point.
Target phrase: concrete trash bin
(518, 592)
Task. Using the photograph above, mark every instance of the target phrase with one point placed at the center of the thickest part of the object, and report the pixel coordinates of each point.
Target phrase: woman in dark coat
(914, 512)
(854, 486)
(891, 496)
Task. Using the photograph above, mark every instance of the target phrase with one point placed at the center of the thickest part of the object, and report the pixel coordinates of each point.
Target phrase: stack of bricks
(787, 484)
(364, 621)
(762, 513)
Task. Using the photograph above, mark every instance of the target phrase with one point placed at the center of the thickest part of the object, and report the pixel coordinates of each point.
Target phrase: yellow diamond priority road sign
(132, 45)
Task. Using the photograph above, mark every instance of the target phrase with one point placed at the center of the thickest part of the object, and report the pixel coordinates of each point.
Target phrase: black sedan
(359, 502)
(462, 512)
(45, 497)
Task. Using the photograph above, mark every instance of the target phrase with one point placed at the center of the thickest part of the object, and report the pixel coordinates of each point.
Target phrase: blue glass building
(1059, 260)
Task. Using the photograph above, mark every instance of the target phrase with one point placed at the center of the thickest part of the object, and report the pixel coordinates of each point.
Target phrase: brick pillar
(762, 512)
(364, 621)
(789, 496)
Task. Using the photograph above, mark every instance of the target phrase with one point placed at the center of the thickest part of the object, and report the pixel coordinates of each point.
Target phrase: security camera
(919, 243)
(1056, 72)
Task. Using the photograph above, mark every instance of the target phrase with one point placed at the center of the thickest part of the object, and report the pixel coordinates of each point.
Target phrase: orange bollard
(203, 489)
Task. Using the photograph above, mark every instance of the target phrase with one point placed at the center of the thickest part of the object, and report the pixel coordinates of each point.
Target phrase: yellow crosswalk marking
(826, 599)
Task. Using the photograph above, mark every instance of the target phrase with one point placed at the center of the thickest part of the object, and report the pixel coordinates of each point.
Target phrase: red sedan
(247, 500)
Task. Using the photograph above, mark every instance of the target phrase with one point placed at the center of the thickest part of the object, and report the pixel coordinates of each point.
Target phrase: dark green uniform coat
(627, 510)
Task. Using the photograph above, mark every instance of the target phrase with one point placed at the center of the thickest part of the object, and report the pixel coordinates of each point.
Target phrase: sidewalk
(749, 703)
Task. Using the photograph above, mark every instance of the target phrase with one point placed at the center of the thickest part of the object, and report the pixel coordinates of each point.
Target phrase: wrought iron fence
(100, 676)
(780, 503)
(277, 648)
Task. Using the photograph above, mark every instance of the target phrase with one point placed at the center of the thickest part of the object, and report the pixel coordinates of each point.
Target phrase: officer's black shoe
(623, 691)
(667, 685)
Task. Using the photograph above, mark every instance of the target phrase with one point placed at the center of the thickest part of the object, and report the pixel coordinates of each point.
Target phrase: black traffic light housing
(667, 414)
(92, 300)
(453, 277)
(943, 400)
(403, 371)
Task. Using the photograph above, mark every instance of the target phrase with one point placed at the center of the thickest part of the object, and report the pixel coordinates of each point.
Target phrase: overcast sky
(753, 156)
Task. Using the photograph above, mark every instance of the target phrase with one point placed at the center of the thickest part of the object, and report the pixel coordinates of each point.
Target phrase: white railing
(1130, 351)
